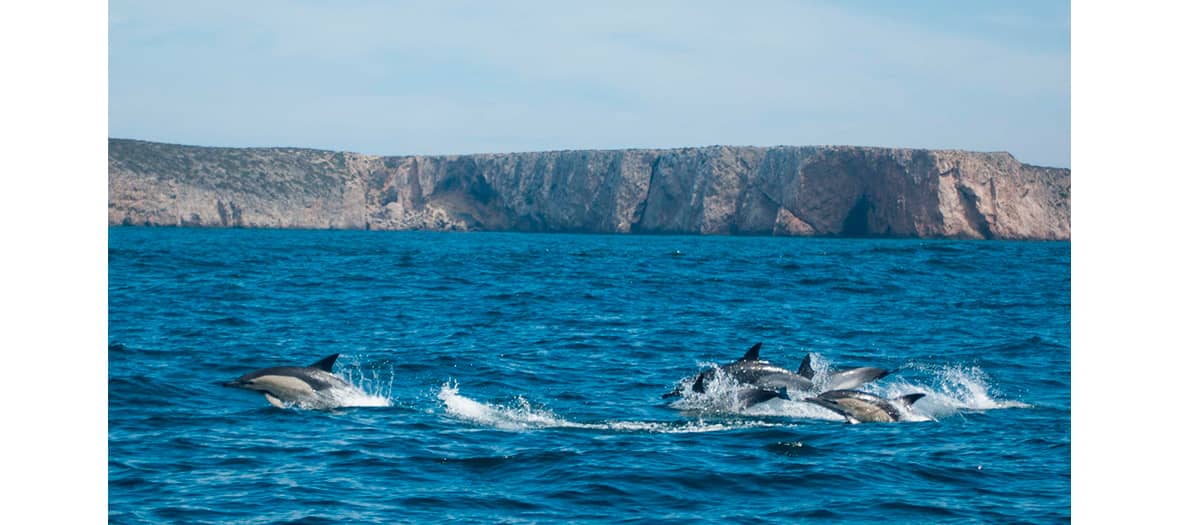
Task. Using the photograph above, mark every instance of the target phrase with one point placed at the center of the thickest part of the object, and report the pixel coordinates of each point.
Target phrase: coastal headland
(839, 191)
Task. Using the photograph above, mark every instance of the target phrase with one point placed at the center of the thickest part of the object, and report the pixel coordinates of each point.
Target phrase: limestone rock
(783, 190)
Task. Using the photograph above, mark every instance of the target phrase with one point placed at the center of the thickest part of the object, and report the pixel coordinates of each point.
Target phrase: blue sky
(394, 78)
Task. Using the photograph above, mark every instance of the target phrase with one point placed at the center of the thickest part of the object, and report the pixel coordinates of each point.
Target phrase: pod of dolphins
(761, 380)
(758, 381)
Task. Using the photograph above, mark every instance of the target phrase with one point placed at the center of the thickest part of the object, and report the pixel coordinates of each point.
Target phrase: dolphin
(858, 407)
(284, 385)
(848, 379)
(752, 371)
(752, 396)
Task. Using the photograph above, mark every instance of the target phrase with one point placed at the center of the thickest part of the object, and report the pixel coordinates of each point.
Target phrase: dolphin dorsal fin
(752, 353)
(326, 363)
(909, 400)
(805, 369)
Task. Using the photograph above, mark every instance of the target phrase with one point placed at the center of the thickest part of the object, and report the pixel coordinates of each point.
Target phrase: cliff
(783, 190)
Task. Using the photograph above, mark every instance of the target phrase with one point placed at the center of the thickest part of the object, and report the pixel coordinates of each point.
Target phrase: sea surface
(518, 378)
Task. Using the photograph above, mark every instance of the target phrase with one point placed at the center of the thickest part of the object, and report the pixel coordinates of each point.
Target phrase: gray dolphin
(858, 407)
(283, 385)
(848, 379)
(765, 378)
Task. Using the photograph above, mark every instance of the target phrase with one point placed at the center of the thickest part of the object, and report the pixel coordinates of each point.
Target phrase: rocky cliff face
(840, 191)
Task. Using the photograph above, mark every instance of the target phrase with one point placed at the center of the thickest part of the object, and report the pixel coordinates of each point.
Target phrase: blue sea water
(518, 378)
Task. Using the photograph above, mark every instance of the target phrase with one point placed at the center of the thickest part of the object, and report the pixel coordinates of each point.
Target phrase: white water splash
(340, 397)
(370, 390)
(522, 416)
(352, 396)
(952, 390)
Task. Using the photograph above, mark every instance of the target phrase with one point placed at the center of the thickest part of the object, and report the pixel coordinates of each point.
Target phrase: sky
(399, 78)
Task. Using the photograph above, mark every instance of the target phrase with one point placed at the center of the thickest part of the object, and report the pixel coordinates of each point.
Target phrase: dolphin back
(770, 379)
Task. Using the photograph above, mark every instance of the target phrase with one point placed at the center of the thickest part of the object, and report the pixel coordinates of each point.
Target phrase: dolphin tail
(805, 369)
(326, 363)
(909, 399)
(752, 353)
(698, 386)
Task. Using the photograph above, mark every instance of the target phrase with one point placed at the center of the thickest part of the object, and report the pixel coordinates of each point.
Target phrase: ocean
(519, 378)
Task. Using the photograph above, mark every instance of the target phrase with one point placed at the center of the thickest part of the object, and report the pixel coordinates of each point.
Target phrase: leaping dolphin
(843, 379)
(284, 385)
(858, 407)
(751, 370)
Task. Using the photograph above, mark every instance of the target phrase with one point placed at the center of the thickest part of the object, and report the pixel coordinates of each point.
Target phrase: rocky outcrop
(784, 190)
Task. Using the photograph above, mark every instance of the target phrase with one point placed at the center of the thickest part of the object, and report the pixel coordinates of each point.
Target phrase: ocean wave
(521, 415)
